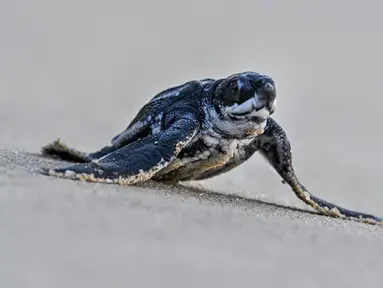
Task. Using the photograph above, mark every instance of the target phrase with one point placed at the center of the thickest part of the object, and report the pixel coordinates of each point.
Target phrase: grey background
(80, 70)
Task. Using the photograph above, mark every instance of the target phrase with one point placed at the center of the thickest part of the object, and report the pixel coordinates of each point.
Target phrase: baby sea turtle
(196, 131)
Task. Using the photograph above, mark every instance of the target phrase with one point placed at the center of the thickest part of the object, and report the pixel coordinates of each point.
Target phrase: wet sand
(80, 70)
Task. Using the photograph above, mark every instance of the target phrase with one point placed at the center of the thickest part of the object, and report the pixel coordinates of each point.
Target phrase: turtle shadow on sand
(184, 190)
(216, 197)
(201, 194)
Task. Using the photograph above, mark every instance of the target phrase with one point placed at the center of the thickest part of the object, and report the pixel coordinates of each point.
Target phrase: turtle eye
(235, 91)
(234, 87)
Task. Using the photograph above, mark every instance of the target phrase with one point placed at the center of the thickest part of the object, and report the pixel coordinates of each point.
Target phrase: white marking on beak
(245, 107)
(264, 113)
(257, 102)
(248, 107)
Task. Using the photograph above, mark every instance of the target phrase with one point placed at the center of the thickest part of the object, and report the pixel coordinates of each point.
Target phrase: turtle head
(247, 95)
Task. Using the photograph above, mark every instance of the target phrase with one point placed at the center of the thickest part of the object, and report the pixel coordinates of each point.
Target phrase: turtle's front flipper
(137, 161)
(275, 147)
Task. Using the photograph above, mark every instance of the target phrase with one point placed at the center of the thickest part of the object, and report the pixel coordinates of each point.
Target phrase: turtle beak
(260, 111)
(262, 104)
(270, 93)
(273, 106)
(265, 101)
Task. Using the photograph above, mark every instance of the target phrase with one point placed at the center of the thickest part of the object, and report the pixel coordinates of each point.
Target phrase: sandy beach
(81, 70)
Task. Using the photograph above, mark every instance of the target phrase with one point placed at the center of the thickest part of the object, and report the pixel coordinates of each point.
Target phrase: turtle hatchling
(196, 131)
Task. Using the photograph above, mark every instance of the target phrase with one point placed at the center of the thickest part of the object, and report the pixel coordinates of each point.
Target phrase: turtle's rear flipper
(137, 161)
(59, 150)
